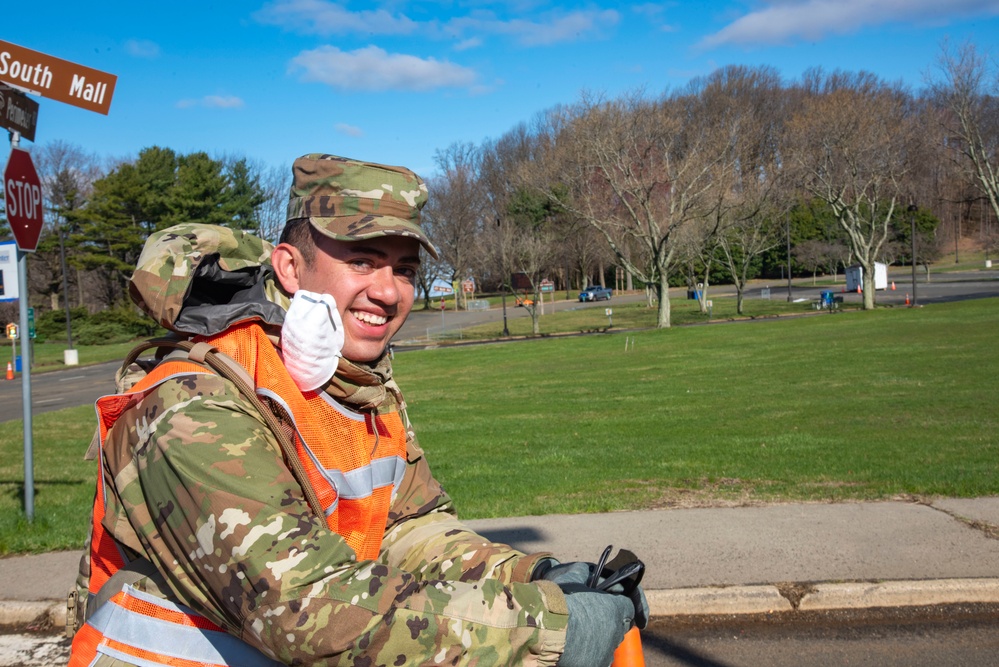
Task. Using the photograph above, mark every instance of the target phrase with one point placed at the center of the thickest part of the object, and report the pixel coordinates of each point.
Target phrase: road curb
(715, 600)
(771, 598)
(24, 612)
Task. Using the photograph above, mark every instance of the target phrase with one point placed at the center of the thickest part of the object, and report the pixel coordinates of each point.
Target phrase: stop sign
(23, 193)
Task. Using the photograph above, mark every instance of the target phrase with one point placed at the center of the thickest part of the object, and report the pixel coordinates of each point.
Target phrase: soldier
(262, 498)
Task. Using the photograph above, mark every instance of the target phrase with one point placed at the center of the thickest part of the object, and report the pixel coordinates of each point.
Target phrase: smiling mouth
(369, 318)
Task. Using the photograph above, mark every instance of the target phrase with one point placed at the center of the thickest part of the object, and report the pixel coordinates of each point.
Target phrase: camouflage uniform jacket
(197, 485)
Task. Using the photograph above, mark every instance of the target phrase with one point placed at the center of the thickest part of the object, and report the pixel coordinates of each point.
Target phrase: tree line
(735, 175)
(732, 176)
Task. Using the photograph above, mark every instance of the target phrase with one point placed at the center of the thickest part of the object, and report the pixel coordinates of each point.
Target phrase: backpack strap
(206, 354)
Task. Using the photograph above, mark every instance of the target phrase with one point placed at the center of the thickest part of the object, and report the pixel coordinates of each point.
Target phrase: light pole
(499, 224)
(789, 298)
(912, 222)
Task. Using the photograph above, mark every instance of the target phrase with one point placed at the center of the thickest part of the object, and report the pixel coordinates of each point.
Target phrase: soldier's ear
(288, 265)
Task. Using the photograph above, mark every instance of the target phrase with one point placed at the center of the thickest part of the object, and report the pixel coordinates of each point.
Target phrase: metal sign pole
(29, 466)
(29, 463)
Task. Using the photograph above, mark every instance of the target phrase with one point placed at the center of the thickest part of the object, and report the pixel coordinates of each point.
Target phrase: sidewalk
(712, 561)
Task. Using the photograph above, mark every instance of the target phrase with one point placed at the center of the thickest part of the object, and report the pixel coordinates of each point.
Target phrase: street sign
(56, 78)
(31, 323)
(468, 286)
(23, 191)
(12, 331)
(18, 112)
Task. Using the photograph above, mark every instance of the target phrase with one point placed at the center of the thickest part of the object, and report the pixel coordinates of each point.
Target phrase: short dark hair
(301, 234)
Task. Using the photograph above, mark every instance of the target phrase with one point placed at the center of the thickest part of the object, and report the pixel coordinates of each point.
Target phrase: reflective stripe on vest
(354, 461)
(145, 630)
(356, 484)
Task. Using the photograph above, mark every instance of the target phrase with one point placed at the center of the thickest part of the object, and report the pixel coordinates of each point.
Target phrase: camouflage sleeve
(425, 537)
(205, 490)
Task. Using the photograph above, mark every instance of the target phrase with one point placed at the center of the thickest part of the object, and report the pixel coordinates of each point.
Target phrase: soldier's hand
(565, 573)
(597, 624)
(641, 607)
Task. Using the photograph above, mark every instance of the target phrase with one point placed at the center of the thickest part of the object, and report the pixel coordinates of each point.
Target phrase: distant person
(262, 498)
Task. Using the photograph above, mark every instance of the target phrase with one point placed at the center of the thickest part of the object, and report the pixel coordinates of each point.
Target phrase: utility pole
(789, 298)
(912, 222)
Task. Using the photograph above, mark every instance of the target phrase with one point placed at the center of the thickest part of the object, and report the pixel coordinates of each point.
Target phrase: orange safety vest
(354, 461)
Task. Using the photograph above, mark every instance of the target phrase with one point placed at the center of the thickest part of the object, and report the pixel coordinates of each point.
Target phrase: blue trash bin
(827, 299)
(17, 364)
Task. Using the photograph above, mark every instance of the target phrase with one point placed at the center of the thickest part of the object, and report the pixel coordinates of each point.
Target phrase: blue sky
(394, 81)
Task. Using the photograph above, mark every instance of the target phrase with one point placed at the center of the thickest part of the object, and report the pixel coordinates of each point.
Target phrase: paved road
(58, 389)
(945, 636)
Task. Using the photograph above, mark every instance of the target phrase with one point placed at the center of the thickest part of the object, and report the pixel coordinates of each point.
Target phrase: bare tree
(67, 173)
(431, 270)
(533, 252)
(453, 213)
(851, 142)
(634, 169)
(697, 255)
(275, 182)
(815, 254)
(748, 106)
(966, 88)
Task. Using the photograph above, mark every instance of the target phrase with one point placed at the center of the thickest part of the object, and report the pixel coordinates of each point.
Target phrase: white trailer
(855, 277)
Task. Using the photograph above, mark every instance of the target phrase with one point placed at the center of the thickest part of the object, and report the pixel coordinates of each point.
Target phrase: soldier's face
(373, 284)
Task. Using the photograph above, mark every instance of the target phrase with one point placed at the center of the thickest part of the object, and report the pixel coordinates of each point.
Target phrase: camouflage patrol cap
(350, 200)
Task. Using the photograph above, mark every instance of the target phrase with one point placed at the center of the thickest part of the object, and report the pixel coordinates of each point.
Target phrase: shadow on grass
(16, 490)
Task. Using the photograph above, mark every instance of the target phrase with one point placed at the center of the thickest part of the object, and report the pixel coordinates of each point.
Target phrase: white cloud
(326, 18)
(222, 101)
(466, 44)
(320, 17)
(551, 29)
(371, 68)
(142, 48)
(783, 21)
(349, 130)
(212, 102)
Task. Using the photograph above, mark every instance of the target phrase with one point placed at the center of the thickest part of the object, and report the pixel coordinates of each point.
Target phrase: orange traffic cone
(629, 652)
(859, 291)
(10, 371)
(907, 298)
(893, 286)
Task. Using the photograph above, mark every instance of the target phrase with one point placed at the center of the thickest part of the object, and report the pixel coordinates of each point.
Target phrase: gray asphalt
(712, 560)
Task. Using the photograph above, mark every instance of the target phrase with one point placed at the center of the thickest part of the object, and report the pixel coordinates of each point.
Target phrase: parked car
(595, 293)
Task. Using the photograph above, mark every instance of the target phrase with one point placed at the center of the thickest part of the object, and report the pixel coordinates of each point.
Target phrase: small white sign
(8, 271)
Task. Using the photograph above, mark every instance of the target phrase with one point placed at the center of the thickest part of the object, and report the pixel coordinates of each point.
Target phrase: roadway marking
(49, 400)
(73, 377)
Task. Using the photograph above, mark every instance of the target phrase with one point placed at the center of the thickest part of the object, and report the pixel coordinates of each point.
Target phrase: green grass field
(853, 405)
